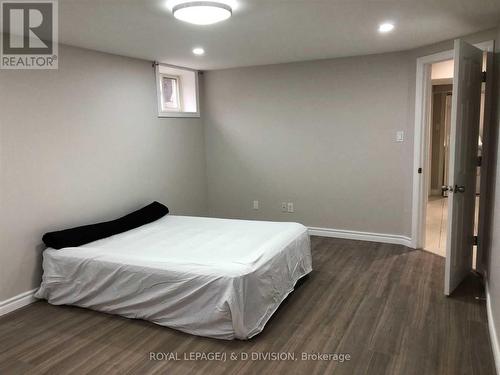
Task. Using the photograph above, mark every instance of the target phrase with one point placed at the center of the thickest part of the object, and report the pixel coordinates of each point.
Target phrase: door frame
(484, 200)
(421, 145)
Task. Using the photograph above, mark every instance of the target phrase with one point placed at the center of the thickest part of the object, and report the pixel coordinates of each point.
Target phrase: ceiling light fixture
(202, 12)
(198, 51)
(386, 27)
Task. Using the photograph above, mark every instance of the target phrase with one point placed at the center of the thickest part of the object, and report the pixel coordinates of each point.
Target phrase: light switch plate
(400, 136)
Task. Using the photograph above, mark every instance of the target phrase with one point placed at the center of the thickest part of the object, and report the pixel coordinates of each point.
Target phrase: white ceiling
(269, 31)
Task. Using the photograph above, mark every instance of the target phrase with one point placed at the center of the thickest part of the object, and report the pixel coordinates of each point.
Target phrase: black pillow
(88, 233)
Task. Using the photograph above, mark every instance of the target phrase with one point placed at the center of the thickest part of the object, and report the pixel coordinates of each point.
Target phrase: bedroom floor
(381, 304)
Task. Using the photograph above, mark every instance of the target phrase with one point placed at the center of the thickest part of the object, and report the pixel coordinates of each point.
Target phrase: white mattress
(209, 277)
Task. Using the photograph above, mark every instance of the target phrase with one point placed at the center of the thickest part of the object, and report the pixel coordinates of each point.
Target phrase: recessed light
(202, 12)
(198, 51)
(386, 27)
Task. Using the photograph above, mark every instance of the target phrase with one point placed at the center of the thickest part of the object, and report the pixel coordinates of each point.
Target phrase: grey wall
(320, 134)
(84, 143)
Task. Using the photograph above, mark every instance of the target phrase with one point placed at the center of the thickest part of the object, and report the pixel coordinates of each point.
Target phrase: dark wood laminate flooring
(381, 304)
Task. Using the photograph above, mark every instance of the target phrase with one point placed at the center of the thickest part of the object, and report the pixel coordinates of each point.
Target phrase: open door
(464, 134)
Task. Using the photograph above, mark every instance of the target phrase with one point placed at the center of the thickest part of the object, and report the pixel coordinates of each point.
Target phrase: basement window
(170, 94)
(177, 90)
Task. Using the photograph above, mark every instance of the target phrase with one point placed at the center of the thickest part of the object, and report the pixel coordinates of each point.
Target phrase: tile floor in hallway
(436, 225)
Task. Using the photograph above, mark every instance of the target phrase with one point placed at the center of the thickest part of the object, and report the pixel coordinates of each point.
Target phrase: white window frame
(172, 113)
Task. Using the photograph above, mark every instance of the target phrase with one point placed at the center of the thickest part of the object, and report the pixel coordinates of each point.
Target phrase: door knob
(459, 189)
(447, 188)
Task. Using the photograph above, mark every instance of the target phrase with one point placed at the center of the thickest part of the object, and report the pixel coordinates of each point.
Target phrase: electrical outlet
(284, 207)
(290, 207)
(255, 205)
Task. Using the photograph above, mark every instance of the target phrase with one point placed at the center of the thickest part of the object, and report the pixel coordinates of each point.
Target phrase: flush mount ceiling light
(202, 12)
(386, 27)
(198, 51)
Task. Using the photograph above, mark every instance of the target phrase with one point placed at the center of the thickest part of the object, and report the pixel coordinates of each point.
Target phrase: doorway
(440, 162)
(436, 220)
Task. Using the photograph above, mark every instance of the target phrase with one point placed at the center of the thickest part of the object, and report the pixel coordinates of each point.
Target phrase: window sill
(178, 114)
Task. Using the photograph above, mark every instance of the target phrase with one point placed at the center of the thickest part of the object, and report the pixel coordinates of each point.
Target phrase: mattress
(210, 277)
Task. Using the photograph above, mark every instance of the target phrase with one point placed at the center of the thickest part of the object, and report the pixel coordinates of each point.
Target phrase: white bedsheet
(209, 277)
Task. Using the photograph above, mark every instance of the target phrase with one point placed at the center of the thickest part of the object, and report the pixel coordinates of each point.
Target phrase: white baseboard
(495, 344)
(17, 302)
(361, 236)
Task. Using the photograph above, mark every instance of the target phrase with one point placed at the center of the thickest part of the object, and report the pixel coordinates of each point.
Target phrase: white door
(464, 134)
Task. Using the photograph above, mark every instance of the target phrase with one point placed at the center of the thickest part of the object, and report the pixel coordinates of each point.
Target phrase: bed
(211, 277)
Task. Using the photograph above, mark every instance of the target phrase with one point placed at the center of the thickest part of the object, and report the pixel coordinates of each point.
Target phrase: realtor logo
(29, 35)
